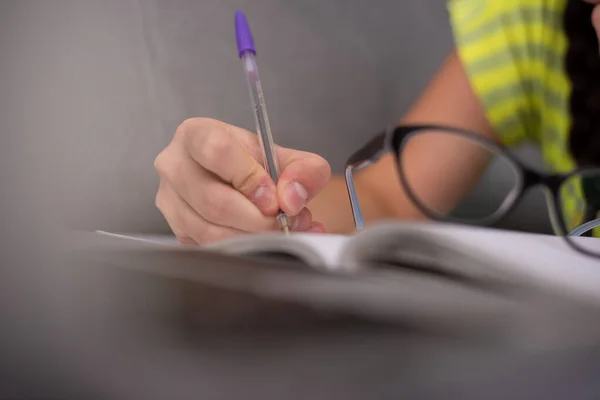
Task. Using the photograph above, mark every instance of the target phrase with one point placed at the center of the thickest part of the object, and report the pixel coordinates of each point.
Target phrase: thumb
(303, 176)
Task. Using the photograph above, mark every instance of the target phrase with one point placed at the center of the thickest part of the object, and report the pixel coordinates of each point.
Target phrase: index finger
(224, 150)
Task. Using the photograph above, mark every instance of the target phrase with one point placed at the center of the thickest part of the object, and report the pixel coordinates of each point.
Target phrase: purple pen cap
(243, 34)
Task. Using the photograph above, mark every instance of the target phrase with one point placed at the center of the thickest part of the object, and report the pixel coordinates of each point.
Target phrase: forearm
(448, 100)
(332, 206)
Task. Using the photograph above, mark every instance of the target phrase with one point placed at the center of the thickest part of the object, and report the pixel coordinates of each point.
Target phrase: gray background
(94, 89)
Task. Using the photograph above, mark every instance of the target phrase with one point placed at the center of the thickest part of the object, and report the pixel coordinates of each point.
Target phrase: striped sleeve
(501, 45)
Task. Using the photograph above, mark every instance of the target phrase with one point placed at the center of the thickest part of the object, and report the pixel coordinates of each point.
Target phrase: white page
(547, 260)
(327, 246)
(148, 238)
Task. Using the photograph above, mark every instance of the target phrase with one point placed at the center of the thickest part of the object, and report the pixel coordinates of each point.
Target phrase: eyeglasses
(432, 183)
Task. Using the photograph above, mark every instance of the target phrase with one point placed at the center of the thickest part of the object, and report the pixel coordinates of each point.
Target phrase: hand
(213, 184)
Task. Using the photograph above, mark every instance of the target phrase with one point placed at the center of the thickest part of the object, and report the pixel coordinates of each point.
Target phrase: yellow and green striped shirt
(513, 52)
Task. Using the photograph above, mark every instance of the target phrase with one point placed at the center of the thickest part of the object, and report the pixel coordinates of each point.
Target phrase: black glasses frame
(393, 141)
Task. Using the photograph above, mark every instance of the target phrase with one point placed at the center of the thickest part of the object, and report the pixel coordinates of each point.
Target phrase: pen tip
(243, 36)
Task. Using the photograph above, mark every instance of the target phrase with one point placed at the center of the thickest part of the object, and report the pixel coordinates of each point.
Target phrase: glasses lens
(456, 177)
(579, 204)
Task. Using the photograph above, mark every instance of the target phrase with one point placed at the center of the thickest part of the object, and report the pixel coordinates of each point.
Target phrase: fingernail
(263, 196)
(296, 196)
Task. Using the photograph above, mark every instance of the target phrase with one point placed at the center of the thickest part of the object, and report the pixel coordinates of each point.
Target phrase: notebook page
(546, 259)
(327, 246)
(148, 238)
(541, 259)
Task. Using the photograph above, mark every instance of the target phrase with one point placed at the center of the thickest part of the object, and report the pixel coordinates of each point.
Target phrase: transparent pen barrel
(263, 126)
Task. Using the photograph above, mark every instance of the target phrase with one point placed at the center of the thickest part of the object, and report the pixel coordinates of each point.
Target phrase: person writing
(520, 70)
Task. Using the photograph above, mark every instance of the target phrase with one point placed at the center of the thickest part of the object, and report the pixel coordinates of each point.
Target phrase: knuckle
(171, 167)
(159, 161)
(159, 200)
(191, 125)
(204, 136)
(163, 162)
(216, 147)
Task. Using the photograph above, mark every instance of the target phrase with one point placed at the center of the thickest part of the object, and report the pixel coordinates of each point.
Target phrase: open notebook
(458, 252)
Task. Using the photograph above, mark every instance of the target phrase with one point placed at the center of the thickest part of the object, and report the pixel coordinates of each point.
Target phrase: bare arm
(448, 100)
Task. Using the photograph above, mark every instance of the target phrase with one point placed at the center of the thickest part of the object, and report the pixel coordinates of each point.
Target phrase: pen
(247, 54)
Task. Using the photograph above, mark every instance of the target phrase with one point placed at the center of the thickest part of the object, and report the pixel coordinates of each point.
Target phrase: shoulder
(483, 16)
(514, 30)
(499, 8)
(507, 48)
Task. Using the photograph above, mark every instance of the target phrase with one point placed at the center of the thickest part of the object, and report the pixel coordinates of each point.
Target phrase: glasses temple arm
(583, 228)
(359, 221)
(367, 155)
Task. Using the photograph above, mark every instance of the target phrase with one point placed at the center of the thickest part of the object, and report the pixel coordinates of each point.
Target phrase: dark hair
(582, 65)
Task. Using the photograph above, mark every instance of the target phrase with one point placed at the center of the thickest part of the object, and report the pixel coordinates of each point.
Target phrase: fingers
(303, 221)
(186, 224)
(208, 196)
(213, 184)
(316, 227)
(235, 156)
(223, 150)
(303, 176)
(191, 228)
